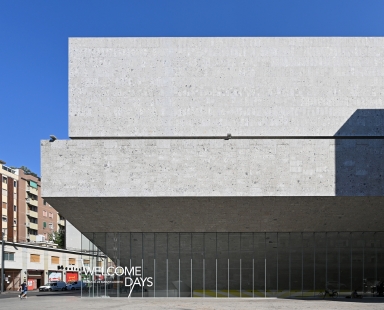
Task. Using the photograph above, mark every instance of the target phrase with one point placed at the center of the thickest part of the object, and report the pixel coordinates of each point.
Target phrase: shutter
(35, 258)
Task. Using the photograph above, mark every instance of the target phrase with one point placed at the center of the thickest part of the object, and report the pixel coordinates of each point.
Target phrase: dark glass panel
(296, 264)
(246, 264)
(345, 263)
(210, 265)
(320, 262)
(259, 266)
(136, 260)
(333, 261)
(197, 264)
(160, 265)
(308, 264)
(380, 256)
(222, 265)
(173, 265)
(185, 264)
(234, 264)
(271, 264)
(124, 260)
(283, 247)
(371, 243)
(148, 267)
(357, 241)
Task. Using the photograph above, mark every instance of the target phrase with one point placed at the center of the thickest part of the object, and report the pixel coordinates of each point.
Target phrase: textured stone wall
(213, 167)
(193, 167)
(288, 103)
(140, 87)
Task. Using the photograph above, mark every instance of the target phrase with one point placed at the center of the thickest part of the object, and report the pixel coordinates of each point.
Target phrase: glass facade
(229, 265)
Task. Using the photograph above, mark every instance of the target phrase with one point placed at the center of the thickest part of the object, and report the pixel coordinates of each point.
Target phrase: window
(55, 260)
(86, 262)
(4, 192)
(51, 215)
(44, 213)
(44, 202)
(14, 184)
(98, 263)
(34, 258)
(4, 205)
(14, 222)
(32, 232)
(4, 218)
(5, 180)
(14, 208)
(44, 224)
(50, 225)
(33, 184)
(72, 261)
(9, 256)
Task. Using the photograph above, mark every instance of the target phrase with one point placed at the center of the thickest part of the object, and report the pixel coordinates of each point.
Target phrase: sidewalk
(67, 301)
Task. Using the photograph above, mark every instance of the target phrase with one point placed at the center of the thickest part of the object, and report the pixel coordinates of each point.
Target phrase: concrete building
(227, 167)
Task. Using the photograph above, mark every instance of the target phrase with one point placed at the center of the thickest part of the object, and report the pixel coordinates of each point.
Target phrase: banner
(54, 276)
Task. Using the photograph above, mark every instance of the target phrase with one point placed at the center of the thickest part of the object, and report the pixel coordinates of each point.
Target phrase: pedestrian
(23, 290)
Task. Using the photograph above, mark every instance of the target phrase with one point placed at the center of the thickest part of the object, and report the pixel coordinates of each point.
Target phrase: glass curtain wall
(232, 265)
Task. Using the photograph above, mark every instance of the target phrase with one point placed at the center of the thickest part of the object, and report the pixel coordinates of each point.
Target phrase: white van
(53, 286)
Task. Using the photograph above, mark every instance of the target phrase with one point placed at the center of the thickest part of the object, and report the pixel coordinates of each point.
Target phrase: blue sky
(34, 44)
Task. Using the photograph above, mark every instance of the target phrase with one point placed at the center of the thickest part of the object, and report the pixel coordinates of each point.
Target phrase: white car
(76, 285)
(53, 286)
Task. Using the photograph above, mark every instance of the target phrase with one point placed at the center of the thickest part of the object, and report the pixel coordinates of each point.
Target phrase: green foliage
(58, 237)
(28, 171)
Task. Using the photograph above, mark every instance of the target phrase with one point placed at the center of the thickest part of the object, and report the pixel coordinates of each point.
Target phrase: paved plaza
(67, 301)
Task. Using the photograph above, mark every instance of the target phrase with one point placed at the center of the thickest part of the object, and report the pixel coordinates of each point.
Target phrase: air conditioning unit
(40, 238)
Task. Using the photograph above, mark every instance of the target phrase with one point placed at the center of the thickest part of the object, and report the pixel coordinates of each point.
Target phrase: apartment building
(9, 202)
(40, 218)
(26, 216)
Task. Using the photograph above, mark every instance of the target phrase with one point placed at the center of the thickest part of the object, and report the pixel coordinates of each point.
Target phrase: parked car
(53, 286)
(76, 285)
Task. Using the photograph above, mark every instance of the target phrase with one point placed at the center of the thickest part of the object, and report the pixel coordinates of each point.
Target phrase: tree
(28, 171)
(58, 237)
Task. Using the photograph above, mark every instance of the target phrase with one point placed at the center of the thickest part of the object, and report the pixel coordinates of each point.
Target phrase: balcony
(32, 202)
(61, 222)
(32, 225)
(32, 190)
(31, 237)
(32, 213)
(8, 169)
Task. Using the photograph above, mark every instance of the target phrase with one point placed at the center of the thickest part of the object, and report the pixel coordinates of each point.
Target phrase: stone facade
(205, 87)
(213, 167)
(290, 201)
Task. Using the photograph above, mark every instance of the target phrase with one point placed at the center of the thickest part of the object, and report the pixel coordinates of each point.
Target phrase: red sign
(31, 284)
(72, 276)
